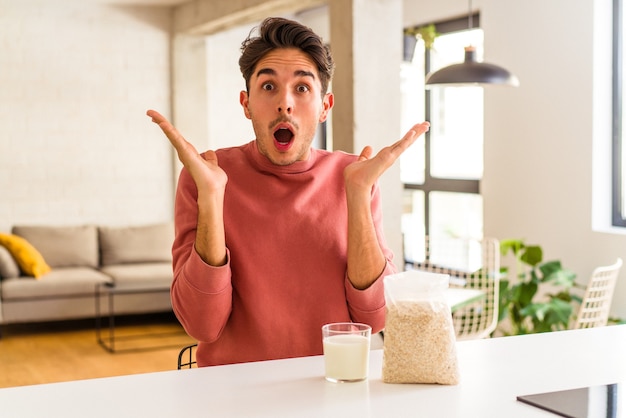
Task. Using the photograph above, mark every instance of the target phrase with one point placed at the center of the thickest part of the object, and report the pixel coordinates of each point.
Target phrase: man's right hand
(205, 172)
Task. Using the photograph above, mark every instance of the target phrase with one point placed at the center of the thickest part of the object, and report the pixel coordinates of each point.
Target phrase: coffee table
(110, 291)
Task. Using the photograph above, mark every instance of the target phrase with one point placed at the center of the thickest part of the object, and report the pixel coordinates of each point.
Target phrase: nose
(285, 104)
(287, 109)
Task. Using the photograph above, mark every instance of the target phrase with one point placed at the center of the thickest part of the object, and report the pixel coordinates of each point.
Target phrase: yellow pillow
(30, 260)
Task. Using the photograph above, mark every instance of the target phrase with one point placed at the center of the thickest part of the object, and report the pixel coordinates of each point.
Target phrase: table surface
(493, 373)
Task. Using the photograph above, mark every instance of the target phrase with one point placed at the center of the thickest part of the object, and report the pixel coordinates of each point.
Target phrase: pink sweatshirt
(286, 239)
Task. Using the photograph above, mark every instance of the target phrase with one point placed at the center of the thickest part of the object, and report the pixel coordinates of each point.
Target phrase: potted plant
(426, 33)
(524, 302)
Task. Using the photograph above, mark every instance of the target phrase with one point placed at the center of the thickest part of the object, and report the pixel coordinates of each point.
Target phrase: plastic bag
(419, 340)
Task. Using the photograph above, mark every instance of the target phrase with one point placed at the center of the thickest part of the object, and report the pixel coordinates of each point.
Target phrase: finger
(211, 156)
(409, 138)
(391, 153)
(183, 148)
(165, 125)
(417, 130)
(160, 120)
(155, 116)
(421, 128)
(168, 129)
(366, 154)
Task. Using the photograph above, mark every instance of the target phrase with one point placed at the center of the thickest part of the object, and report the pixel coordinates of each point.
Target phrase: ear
(327, 104)
(244, 100)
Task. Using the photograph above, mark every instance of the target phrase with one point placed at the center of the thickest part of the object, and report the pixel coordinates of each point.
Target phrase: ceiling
(155, 2)
(139, 2)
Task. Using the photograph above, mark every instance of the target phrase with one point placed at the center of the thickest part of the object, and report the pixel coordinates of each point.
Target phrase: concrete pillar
(366, 41)
(190, 91)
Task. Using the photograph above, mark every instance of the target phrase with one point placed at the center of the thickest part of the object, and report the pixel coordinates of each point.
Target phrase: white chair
(472, 264)
(596, 304)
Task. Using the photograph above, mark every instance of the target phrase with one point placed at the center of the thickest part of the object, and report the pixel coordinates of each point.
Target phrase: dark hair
(275, 33)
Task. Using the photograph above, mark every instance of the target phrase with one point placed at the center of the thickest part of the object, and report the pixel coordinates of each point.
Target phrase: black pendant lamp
(471, 72)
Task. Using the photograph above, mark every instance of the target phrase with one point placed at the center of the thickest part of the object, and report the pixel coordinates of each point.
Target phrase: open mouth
(283, 137)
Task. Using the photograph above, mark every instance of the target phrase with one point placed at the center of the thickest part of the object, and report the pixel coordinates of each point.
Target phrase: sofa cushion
(8, 265)
(63, 246)
(140, 273)
(30, 260)
(136, 244)
(62, 281)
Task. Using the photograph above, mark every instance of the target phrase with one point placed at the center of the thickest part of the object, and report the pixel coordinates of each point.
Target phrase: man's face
(285, 105)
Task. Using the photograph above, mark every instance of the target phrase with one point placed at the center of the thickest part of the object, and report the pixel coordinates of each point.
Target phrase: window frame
(435, 184)
(618, 215)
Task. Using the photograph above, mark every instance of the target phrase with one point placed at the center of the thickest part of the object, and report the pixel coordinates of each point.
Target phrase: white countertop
(493, 373)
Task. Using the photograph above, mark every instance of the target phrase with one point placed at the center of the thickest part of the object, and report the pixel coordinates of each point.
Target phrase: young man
(274, 238)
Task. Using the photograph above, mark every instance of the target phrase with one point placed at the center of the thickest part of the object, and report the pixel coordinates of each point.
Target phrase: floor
(63, 351)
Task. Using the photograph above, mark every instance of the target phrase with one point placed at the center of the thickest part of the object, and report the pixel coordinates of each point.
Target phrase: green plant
(527, 309)
(427, 33)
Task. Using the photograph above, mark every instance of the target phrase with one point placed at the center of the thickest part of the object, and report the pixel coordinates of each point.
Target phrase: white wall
(541, 138)
(225, 83)
(75, 82)
(76, 147)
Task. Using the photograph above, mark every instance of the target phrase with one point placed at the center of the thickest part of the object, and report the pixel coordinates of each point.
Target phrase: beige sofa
(81, 257)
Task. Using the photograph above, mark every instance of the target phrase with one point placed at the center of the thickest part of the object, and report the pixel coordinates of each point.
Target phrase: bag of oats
(419, 341)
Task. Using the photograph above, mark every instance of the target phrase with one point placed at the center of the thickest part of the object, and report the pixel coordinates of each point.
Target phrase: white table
(493, 373)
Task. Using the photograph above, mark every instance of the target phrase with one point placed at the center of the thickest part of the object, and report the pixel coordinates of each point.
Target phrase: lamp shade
(471, 73)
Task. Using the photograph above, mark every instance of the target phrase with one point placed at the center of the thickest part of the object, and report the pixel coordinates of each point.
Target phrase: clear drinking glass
(346, 351)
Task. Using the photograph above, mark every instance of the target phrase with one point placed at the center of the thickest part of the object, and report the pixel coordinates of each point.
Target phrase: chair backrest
(596, 303)
(187, 357)
(472, 264)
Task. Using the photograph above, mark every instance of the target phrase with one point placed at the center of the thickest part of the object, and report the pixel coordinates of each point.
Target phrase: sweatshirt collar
(264, 164)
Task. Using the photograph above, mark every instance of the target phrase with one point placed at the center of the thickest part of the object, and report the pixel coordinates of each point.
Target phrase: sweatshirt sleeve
(368, 306)
(201, 294)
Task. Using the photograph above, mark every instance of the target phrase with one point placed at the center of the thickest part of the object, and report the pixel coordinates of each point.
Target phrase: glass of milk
(346, 351)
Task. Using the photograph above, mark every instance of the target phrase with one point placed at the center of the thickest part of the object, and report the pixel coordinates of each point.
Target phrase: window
(619, 151)
(441, 172)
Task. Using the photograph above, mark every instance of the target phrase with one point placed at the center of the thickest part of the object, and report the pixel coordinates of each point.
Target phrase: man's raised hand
(363, 173)
(205, 172)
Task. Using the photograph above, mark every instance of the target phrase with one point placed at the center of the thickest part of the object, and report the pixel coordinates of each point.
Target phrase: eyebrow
(297, 73)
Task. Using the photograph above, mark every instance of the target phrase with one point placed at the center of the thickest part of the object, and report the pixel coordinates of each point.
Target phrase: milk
(346, 357)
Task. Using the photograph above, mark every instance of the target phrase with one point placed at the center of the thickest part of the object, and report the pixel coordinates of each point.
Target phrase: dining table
(494, 372)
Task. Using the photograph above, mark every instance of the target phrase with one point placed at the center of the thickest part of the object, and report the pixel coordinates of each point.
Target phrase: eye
(267, 86)
(302, 88)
